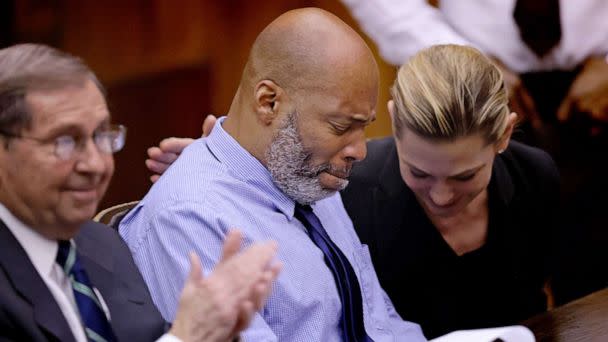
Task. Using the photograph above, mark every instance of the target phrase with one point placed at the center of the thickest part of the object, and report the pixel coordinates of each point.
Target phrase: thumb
(196, 269)
(232, 244)
(208, 124)
(565, 109)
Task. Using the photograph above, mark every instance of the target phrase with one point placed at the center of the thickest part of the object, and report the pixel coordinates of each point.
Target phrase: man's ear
(268, 98)
(503, 142)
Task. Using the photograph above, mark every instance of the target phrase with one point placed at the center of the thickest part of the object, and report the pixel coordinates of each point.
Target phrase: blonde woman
(457, 217)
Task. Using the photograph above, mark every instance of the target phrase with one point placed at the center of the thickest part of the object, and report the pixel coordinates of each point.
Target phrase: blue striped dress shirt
(216, 185)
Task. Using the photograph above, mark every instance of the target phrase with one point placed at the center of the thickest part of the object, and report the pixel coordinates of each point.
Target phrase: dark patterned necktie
(353, 328)
(96, 324)
(539, 24)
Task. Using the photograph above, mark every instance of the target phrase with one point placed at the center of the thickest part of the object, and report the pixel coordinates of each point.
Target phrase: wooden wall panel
(126, 39)
(166, 63)
(152, 108)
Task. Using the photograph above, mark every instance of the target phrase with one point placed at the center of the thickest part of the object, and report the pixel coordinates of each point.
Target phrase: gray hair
(28, 67)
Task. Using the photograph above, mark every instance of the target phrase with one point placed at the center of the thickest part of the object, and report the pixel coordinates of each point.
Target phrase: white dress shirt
(401, 28)
(42, 252)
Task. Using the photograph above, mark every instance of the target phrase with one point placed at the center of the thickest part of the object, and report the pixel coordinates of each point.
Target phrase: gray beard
(289, 164)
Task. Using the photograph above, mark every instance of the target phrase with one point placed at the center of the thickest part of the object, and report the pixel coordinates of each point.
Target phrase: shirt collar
(41, 250)
(244, 166)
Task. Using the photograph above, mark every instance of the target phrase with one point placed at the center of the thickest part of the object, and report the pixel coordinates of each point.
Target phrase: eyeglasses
(108, 140)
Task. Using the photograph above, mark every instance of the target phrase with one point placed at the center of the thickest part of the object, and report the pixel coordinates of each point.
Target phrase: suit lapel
(97, 261)
(28, 283)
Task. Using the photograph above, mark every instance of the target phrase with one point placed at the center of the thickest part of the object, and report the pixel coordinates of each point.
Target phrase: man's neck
(247, 135)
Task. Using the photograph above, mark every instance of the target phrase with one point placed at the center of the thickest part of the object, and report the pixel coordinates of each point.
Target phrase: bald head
(310, 74)
(309, 49)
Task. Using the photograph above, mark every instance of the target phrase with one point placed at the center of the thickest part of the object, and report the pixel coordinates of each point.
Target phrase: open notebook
(516, 333)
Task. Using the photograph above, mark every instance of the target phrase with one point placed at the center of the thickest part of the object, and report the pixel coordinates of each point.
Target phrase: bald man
(273, 167)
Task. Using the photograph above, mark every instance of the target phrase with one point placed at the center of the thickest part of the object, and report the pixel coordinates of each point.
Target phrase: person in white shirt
(63, 277)
(553, 56)
(401, 28)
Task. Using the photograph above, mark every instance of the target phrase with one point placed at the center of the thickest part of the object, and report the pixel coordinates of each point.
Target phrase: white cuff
(169, 338)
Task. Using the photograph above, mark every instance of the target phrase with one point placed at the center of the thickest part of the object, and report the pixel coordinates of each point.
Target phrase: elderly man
(62, 277)
(275, 165)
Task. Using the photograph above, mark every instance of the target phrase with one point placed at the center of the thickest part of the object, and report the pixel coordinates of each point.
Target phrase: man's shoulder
(193, 177)
(97, 231)
(98, 236)
(196, 160)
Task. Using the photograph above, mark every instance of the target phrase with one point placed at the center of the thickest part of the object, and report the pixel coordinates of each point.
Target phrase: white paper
(516, 333)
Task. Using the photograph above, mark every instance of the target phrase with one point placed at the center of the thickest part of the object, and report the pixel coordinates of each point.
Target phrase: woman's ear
(391, 108)
(268, 97)
(392, 112)
(503, 142)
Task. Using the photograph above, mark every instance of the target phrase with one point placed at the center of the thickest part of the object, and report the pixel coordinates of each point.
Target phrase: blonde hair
(450, 91)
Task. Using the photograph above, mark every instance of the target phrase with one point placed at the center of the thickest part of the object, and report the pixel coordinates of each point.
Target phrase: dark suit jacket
(499, 284)
(28, 311)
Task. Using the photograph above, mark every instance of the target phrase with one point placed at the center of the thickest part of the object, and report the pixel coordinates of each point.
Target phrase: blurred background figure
(553, 57)
(529, 39)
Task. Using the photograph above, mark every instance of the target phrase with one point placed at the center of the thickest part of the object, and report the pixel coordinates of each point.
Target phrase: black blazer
(28, 311)
(499, 284)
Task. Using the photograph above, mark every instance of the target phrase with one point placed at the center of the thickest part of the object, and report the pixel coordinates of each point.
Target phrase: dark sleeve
(570, 256)
(550, 194)
(537, 195)
(581, 251)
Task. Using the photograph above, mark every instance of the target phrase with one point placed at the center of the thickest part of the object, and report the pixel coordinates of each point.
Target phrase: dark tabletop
(585, 319)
